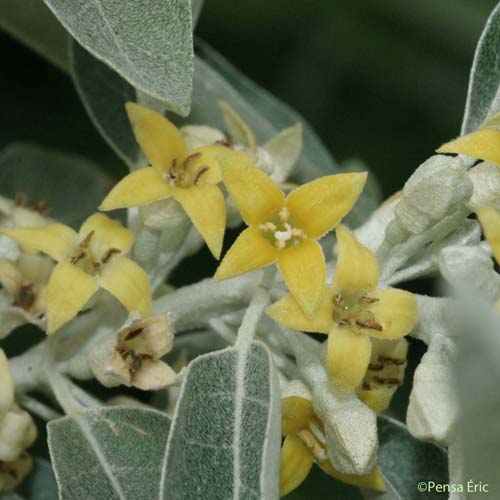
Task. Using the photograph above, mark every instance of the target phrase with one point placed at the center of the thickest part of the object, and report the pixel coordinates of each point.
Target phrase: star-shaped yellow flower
(482, 144)
(282, 229)
(352, 311)
(191, 178)
(87, 261)
(304, 444)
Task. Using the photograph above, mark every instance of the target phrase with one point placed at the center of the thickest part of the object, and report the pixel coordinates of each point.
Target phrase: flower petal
(347, 357)
(206, 207)
(490, 222)
(396, 311)
(254, 193)
(56, 240)
(357, 268)
(318, 206)
(141, 187)
(295, 413)
(68, 291)
(288, 312)
(108, 234)
(10, 276)
(295, 464)
(304, 271)
(250, 251)
(128, 282)
(160, 140)
(483, 144)
(374, 480)
(239, 131)
(154, 375)
(202, 157)
(377, 397)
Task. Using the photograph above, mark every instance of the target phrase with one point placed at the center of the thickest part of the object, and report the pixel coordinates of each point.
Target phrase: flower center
(314, 438)
(86, 259)
(281, 232)
(349, 310)
(186, 174)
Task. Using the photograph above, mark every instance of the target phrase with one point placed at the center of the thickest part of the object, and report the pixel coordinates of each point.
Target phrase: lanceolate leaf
(225, 437)
(148, 42)
(405, 461)
(113, 453)
(483, 97)
(55, 177)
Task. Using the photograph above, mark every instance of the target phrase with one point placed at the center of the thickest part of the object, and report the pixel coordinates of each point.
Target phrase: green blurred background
(384, 81)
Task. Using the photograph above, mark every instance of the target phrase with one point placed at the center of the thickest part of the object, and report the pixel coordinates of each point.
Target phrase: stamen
(268, 227)
(370, 324)
(366, 299)
(313, 445)
(108, 254)
(25, 297)
(387, 381)
(391, 361)
(86, 242)
(202, 170)
(284, 235)
(192, 157)
(284, 214)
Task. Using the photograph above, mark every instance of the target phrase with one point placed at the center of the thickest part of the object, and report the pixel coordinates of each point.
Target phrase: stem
(60, 385)
(38, 408)
(260, 300)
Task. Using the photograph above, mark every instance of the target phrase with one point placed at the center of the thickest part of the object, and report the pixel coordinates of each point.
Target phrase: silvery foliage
(223, 440)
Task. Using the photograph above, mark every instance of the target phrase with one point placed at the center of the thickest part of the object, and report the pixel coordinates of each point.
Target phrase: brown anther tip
(372, 325)
(388, 381)
(392, 361)
(224, 142)
(25, 296)
(131, 335)
(367, 386)
(86, 242)
(21, 199)
(366, 299)
(375, 367)
(108, 254)
(202, 170)
(192, 157)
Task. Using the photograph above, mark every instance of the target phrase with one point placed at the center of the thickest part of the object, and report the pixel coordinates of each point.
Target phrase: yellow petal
(483, 144)
(318, 206)
(56, 240)
(347, 358)
(304, 271)
(108, 234)
(128, 282)
(255, 194)
(238, 129)
(490, 222)
(396, 311)
(206, 208)
(295, 463)
(160, 140)
(250, 251)
(202, 157)
(288, 312)
(141, 187)
(357, 268)
(374, 480)
(68, 291)
(377, 397)
(295, 413)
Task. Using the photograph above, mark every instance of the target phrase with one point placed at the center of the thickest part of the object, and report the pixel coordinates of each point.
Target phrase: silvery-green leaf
(196, 8)
(405, 461)
(390, 494)
(35, 25)
(41, 483)
(55, 177)
(433, 407)
(104, 94)
(225, 436)
(148, 42)
(478, 375)
(483, 97)
(109, 453)
(10, 495)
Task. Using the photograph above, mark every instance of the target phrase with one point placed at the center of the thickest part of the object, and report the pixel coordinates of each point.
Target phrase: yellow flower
(191, 178)
(483, 144)
(352, 311)
(305, 444)
(87, 261)
(285, 229)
